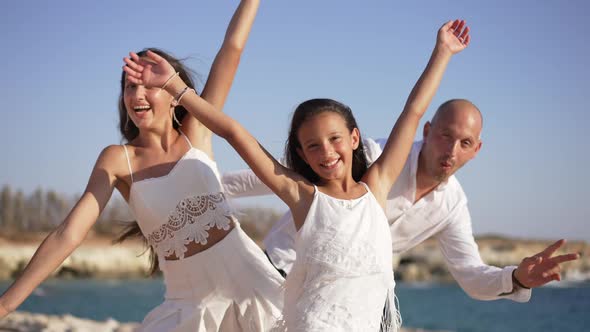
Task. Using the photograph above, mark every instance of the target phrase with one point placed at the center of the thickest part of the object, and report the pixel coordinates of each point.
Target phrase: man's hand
(541, 268)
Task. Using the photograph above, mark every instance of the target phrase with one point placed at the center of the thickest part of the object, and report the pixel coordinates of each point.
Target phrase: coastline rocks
(93, 260)
(28, 322)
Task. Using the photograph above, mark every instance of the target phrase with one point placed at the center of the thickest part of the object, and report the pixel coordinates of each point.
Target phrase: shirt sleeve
(243, 183)
(373, 148)
(478, 280)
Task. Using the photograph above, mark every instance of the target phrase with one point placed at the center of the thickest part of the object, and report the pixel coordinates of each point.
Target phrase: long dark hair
(129, 132)
(306, 111)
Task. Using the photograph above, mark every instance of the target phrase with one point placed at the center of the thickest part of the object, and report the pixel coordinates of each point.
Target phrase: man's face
(451, 141)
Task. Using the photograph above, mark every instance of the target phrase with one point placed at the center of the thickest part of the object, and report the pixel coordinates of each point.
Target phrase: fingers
(448, 25)
(552, 248)
(459, 28)
(454, 25)
(565, 258)
(467, 40)
(530, 261)
(462, 37)
(133, 64)
(132, 75)
(154, 57)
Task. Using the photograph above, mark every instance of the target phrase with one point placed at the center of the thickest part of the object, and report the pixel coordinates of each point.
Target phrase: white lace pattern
(190, 222)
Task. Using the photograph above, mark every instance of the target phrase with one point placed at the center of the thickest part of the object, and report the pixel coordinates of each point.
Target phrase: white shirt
(442, 213)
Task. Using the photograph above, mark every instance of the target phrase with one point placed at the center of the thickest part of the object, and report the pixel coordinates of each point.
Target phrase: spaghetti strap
(186, 138)
(128, 162)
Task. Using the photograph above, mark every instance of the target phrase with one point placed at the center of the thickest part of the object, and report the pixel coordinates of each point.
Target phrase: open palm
(152, 71)
(454, 35)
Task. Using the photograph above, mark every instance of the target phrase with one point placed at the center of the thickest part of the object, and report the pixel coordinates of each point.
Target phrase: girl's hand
(453, 36)
(151, 72)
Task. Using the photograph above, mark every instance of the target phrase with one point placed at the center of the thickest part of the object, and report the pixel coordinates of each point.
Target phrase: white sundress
(230, 286)
(342, 277)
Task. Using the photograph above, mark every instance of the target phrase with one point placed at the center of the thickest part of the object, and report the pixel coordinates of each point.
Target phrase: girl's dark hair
(127, 128)
(304, 112)
(129, 132)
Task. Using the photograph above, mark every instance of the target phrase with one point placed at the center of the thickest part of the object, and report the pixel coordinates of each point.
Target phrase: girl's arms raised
(288, 185)
(223, 71)
(62, 241)
(452, 38)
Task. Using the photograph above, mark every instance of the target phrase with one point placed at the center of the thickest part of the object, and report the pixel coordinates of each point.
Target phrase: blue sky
(526, 69)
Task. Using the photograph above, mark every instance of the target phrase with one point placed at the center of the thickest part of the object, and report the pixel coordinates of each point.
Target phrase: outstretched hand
(541, 268)
(454, 36)
(152, 71)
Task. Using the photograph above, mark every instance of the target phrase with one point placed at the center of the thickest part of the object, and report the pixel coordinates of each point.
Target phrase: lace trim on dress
(190, 222)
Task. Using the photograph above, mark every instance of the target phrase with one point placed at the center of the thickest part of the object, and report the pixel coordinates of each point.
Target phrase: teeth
(141, 108)
(332, 163)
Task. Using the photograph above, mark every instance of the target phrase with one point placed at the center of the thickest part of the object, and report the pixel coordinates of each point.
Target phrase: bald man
(428, 201)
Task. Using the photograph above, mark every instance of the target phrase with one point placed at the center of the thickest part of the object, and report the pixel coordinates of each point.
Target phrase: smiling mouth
(331, 164)
(138, 109)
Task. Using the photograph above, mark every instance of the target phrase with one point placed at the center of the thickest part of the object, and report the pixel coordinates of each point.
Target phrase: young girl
(216, 278)
(342, 276)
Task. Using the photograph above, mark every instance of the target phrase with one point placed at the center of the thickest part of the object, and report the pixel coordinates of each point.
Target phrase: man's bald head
(461, 110)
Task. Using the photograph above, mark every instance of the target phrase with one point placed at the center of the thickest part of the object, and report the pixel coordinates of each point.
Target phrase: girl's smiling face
(146, 106)
(327, 145)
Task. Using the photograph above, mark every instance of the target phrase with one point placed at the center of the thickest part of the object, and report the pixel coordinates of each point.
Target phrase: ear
(426, 130)
(355, 138)
(302, 155)
(478, 147)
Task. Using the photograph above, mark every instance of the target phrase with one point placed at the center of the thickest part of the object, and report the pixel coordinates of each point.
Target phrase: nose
(453, 147)
(327, 148)
(138, 93)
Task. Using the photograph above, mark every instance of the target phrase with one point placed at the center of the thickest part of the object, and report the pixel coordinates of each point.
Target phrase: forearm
(240, 25)
(51, 253)
(428, 83)
(461, 254)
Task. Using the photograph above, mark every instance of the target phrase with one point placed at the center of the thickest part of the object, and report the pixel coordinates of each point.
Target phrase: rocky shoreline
(28, 322)
(98, 258)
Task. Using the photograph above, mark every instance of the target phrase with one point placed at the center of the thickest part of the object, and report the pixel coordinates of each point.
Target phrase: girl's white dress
(230, 286)
(342, 277)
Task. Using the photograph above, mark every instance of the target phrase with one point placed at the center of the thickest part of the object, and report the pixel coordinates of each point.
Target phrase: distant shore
(97, 257)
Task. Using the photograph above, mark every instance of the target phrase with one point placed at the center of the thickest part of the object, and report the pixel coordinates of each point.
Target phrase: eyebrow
(311, 139)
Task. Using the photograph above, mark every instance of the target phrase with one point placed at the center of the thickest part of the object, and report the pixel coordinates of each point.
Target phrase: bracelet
(181, 94)
(518, 283)
(169, 79)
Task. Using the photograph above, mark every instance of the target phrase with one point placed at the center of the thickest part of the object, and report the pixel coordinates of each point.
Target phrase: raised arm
(223, 71)
(62, 241)
(452, 38)
(286, 184)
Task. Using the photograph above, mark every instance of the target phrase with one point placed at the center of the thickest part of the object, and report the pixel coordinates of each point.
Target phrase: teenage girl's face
(146, 106)
(327, 145)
